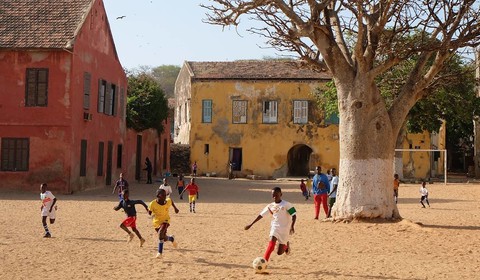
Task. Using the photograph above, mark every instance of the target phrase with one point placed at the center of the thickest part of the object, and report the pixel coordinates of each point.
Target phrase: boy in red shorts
(129, 208)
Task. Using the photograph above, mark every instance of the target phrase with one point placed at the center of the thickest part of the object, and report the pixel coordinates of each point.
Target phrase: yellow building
(259, 115)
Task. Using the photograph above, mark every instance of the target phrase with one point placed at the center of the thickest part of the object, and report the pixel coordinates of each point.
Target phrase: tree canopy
(166, 76)
(147, 106)
(358, 41)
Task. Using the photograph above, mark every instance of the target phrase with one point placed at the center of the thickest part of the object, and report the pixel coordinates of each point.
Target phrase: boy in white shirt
(166, 187)
(424, 192)
(48, 208)
(283, 223)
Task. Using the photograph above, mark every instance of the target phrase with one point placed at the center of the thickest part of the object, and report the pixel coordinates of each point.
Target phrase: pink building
(63, 99)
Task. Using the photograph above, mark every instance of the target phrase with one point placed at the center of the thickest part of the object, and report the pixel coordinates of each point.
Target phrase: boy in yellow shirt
(161, 219)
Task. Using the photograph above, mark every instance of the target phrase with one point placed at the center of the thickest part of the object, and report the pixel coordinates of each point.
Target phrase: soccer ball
(259, 264)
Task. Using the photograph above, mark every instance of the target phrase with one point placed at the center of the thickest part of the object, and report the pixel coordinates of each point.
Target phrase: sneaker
(47, 235)
(288, 250)
(190, 210)
(130, 237)
(141, 242)
(158, 256)
(194, 211)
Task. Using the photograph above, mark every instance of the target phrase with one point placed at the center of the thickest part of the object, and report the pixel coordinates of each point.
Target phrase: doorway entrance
(298, 160)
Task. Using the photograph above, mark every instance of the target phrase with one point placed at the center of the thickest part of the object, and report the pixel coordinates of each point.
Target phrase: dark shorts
(163, 226)
(331, 201)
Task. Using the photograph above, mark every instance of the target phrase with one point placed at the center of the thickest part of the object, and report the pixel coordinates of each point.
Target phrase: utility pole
(476, 120)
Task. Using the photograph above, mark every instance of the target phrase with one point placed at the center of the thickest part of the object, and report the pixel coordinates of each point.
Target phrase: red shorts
(130, 222)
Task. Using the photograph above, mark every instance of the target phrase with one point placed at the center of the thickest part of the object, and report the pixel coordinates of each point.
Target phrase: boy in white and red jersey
(283, 223)
(48, 208)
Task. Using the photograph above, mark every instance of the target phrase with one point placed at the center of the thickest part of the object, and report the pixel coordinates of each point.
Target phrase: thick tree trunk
(367, 144)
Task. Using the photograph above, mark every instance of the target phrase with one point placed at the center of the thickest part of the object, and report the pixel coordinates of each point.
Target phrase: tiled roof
(255, 69)
(40, 23)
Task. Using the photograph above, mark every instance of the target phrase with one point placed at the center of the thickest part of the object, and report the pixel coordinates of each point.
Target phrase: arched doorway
(298, 160)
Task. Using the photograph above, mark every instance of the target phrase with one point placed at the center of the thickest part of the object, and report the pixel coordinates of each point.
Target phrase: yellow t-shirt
(309, 183)
(160, 212)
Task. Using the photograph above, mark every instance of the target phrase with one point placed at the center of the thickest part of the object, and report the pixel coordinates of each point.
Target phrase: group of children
(326, 194)
(423, 191)
(283, 213)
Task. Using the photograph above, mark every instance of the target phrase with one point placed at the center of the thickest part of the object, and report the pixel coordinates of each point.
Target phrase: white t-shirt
(47, 201)
(423, 191)
(282, 217)
(332, 185)
(167, 188)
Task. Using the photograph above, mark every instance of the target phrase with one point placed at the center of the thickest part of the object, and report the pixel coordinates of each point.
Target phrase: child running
(424, 193)
(161, 219)
(131, 221)
(283, 223)
(120, 186)
(47, 208)
(192, 189)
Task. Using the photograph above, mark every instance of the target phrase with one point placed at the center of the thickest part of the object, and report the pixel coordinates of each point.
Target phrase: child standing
(283, 222)
(180, 185)
(424, 193)
(396, 184)
(303, 187)
(129, 207)
(192, 189)
(194, 169)
(309, 184)
(161, 219)
(47, 208)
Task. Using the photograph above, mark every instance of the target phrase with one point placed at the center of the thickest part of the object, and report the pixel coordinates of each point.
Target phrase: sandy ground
(441, 242)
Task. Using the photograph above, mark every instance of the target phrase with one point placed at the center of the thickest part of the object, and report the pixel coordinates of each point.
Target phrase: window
(239, 111)
(300, 111)
(119, 155)
(206, 149)
(36, 87)
(102, 87)
(86, 90)
(110, 100)
(207, 111)
(15, 153)
(83, 158)
(100, 158)
(270, 112)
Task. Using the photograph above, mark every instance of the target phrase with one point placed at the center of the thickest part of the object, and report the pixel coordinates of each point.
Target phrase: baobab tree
(357, 41)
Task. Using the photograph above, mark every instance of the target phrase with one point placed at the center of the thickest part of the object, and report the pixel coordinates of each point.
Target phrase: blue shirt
(320, 178)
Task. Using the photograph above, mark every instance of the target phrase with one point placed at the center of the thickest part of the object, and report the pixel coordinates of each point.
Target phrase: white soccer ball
(259, 264)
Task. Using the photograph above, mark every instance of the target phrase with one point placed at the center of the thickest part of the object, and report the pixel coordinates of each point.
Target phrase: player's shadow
(452, 227)
(319, 274)
(433, 200)
(225, 265)
(96, 239)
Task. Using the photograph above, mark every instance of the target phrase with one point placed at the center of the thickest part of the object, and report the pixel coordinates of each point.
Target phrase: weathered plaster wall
(264, 146)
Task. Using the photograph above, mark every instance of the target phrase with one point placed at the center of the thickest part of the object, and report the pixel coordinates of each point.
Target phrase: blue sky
(168, 32)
